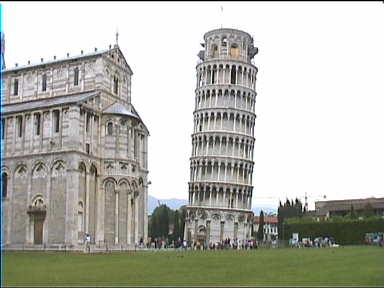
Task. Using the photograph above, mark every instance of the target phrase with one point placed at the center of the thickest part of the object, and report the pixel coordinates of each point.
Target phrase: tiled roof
(47, 102)
(14, 69)
(267, 220)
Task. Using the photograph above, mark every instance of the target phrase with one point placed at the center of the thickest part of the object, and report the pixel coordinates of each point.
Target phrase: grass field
(342, 266)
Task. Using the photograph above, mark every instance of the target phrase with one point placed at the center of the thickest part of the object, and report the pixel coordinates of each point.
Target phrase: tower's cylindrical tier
(221, 165)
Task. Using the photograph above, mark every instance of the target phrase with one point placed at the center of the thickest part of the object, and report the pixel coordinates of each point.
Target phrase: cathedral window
(110, 128)
(16, 87)
(20, 125)
(37, 123)
(115, 85)
(2, 128)
(4, 183)
(224, 41)
(88, 118)
(56, 120)
(44, 86)
(76, 77)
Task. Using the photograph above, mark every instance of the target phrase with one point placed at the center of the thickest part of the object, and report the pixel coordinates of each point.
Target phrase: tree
(352, 214)
(260, 232)
(288, 210)
(179, 220)
(162, 218)
(160, 221)
(368, 210)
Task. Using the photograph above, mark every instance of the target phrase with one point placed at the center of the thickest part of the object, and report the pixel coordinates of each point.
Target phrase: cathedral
(74, 152)
(221, 165)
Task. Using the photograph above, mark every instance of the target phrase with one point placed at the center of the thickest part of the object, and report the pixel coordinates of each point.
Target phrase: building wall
(85, 180)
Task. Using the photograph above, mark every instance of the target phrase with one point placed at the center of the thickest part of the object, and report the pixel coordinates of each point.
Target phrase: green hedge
(345, 231)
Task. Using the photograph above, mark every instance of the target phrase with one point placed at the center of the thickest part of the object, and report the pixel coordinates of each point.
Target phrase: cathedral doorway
(202, 235)
(38, 230)
(37, 212)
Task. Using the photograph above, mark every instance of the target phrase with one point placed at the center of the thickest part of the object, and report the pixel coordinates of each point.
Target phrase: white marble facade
(221, 165)
(74, 153)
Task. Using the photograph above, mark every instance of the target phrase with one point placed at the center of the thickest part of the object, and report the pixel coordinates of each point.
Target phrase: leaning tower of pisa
(221, 165)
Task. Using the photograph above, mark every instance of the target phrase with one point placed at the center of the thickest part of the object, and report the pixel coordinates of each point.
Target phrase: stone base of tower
(215, 225)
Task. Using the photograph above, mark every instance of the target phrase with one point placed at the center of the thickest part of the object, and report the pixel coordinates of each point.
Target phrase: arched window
(16, 87)
(56, 120)
(76, 77)
(37, 123)
(20, 125)
(214, 50)
(235, 51)
(44, 86)
(38, 201)
(115, 85)
(110, 128)
(224, 41)
(2, 128)
(4, 179)
(233, 75)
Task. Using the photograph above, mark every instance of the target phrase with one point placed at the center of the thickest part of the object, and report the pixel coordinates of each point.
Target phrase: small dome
(120, 109)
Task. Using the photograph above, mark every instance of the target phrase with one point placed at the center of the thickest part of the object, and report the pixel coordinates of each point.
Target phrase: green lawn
(344, 266)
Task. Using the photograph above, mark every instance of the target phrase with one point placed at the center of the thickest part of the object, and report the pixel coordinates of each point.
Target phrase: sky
(320, 84)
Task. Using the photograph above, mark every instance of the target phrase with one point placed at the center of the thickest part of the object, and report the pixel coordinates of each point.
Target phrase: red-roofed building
(270, 226)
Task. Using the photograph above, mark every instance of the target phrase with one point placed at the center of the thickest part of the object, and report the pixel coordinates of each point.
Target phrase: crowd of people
(161, 243)
(318, 242)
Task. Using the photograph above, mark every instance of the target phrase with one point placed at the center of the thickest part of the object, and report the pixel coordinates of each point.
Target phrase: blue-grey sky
(320, 101)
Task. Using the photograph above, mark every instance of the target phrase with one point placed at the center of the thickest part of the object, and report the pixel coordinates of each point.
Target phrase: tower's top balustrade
(228, 44)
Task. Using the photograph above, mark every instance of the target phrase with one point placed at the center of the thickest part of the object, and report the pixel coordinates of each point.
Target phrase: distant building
(343, 207)
(74, 153)
(270, 226)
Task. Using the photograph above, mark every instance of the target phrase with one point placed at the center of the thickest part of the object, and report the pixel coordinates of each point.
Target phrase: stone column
(210, 197)
(129, 217)
(15, 134)
(222, 120)
(237, 74)
(234, 122)
(31, 129)
(72, 200)
(116, 216)
(100, 206)
(205, 76)
(91, 127)
(136, 219)
(67, 81)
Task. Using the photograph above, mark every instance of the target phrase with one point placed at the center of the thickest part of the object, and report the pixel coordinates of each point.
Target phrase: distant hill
(174, 203)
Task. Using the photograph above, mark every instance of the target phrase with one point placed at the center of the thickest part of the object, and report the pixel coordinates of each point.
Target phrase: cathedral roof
(47, 102)
(120, 109)
(69, 59)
